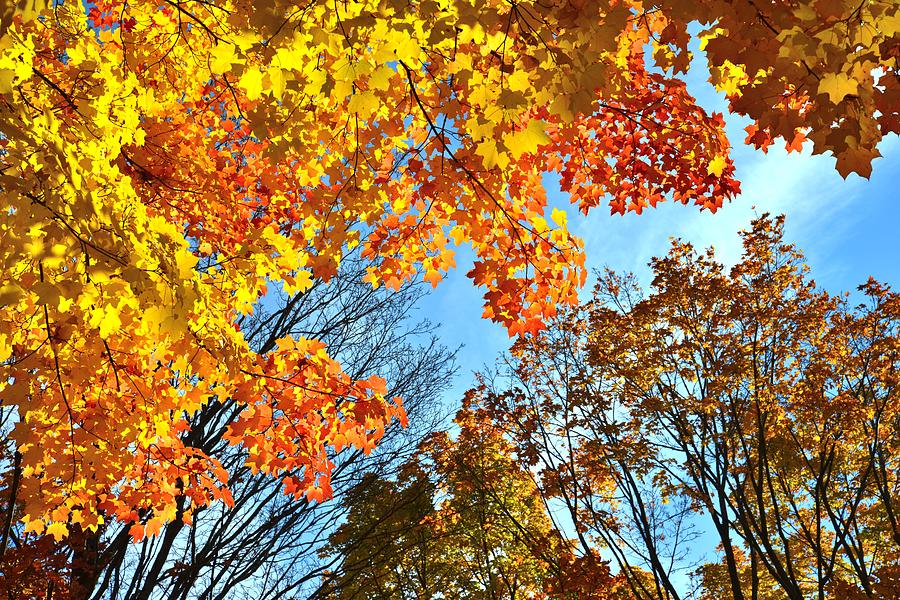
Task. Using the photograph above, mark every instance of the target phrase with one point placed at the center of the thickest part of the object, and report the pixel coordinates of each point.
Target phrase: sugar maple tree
(163, 164)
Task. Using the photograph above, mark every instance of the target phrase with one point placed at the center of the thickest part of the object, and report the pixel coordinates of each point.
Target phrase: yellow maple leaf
(406, 48)
(526, 140)
(838, 86)
(34, 526)
(433, 277)
(363, 103)
(716, 166)
(222, 57)
(299, 283)
(109, 322)
(380, 79)
(559, 217)
(58, 530)
(276, 81)
(153, 527)
(251, 81)
(489, 154)
(458, 235)
(519, 81)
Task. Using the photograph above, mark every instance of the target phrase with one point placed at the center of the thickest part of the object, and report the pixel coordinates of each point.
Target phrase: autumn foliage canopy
(164, 164)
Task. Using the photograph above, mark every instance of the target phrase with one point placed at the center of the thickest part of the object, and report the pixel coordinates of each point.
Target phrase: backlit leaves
(163, 166)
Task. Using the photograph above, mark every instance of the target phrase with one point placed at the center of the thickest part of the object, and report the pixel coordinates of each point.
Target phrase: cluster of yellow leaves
(113, 332)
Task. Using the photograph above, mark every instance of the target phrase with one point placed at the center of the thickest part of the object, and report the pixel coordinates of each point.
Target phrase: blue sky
(846, 228)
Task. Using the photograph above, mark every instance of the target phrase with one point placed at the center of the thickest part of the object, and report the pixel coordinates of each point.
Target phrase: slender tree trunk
(85, 564)
(13, 492)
